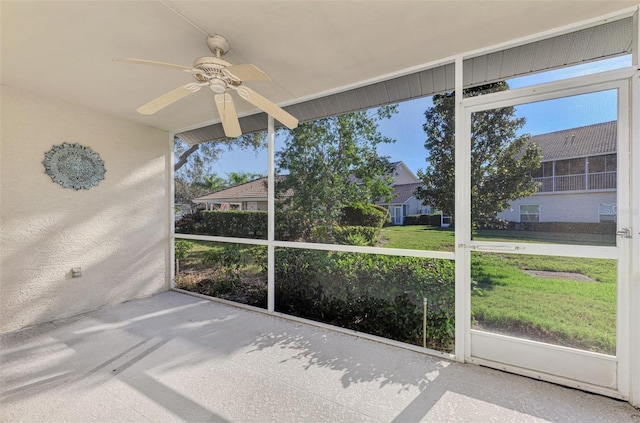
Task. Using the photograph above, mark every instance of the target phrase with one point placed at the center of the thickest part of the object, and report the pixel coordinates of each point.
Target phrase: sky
(406, 126)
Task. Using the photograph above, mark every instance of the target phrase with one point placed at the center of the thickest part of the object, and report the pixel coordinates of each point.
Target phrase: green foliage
(228, 260)
(502, 161)
(364, 214)
(323, 157)
(380, 295)
(182, 249)
(194, 174)
(433, 219)
(356, 235)
(237, 178)
(235, 223)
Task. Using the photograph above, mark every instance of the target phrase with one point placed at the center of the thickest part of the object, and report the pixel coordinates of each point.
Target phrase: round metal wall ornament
(74, 166)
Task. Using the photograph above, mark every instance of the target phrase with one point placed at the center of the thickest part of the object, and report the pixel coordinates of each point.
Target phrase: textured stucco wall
(116, 232)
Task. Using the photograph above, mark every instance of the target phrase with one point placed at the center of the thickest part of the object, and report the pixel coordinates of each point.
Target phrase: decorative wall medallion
(74, 166)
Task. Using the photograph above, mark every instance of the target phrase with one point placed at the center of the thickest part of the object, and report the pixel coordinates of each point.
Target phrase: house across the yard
(579, 167)
(403, 201)
(253, 195)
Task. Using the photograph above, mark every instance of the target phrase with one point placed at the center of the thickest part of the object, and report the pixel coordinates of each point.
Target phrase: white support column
(271, 216)
(461, 219)
(171, 262)
(634, 282)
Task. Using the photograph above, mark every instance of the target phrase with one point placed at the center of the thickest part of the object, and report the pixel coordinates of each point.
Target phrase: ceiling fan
(220, 76)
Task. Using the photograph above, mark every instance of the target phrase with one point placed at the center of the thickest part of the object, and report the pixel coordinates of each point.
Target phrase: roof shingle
(590, 140)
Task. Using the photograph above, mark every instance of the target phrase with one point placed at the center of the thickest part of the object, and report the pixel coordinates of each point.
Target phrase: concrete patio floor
(173, 357)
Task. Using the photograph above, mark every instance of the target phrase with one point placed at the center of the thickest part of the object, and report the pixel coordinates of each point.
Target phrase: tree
(209, 151)
(212, 182)
(324, 158)
(194, 164)
(237, 178)
(502, 161)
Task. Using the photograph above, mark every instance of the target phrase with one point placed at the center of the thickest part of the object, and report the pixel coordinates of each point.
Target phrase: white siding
(414, 206)
(403, 175)
(575, 207)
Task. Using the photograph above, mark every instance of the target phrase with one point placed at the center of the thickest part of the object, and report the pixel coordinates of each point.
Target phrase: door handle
(493, 248)
(624, 233)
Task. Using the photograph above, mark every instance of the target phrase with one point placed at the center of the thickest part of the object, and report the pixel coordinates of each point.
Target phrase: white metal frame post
(633, 304)
(171, 265)
(271, 218)
(634, 270)
(462, 220)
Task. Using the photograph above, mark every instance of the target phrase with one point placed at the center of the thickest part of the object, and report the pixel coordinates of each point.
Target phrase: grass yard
(506, 299)
(580, 314)
(507, 296)
(418, 237)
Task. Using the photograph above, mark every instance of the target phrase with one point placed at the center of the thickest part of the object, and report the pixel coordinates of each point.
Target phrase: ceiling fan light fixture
(219, 75)
(217, 86)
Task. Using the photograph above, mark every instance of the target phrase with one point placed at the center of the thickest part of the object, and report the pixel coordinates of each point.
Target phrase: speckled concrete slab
(173, 357)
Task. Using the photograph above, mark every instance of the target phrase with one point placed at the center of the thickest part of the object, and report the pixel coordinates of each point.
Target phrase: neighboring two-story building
(579, 168)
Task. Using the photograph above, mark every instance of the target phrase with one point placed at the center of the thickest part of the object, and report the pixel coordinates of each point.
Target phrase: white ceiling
(63, 49)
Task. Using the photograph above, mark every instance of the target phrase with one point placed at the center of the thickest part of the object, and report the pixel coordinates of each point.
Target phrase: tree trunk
(183, 158)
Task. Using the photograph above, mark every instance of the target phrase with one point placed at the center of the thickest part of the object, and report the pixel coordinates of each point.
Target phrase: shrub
(416, 219)
(356, 235)
(602, 228)
(433, 219)
(291, 225)
(364, 214)
(190, 223)
(182, 249)
(228, 260)
(380, 295)
(236, 223)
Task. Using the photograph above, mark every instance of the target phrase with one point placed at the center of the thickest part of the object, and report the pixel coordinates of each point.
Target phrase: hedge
(364, 214)
(290, 225)
(236, 223)
(602, 228)
(375, 294)
(434, 219)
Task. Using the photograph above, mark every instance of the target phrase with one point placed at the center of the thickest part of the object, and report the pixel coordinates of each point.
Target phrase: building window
(530, 213)
(607, 212)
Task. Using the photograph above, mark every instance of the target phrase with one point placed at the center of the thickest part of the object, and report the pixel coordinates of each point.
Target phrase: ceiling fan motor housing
(213, 72)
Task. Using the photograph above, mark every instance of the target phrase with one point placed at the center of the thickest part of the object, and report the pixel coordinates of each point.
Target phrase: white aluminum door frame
(397, 216)
(582, 369)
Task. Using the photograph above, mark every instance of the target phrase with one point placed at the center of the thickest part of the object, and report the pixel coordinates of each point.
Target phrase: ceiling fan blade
(247, 73)
(228, 115)
(168, 98)
(152, 63)
(270, 108)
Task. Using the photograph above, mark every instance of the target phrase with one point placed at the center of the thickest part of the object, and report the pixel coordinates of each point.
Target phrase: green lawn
(507, 300)
(418, 237)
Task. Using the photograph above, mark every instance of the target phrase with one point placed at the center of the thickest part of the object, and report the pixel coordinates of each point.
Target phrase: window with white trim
(607, 212)
(530, 213)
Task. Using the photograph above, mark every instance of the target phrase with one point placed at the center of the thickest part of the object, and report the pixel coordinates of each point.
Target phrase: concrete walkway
(173, 357)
